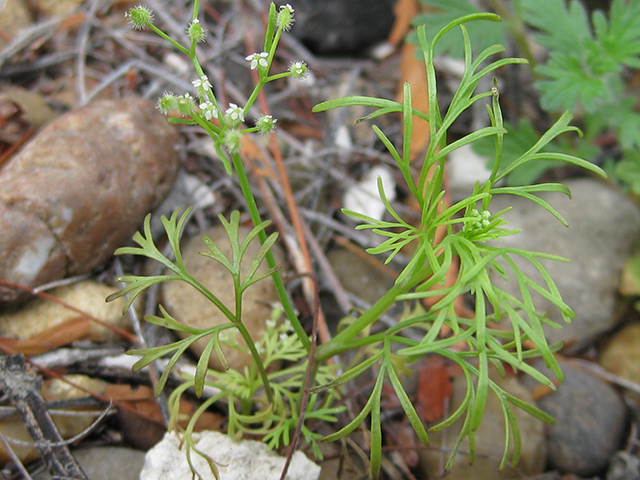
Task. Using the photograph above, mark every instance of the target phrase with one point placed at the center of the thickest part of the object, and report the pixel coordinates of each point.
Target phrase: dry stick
(16, 460)
(23, 389)
(304, 400)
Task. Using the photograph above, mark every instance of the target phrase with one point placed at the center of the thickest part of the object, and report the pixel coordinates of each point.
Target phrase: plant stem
(277, 280)
(343, 340)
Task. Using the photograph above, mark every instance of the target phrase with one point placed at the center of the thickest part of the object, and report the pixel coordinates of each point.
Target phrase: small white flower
(209, 110)
(258, 60)
(283, 337)
(288, 7)
(202, 83)
(270, 324)
(234, 114)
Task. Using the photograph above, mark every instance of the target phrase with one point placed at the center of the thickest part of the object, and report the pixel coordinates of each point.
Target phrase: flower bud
(284, 19)
(140, 17)
(298, 69)
(196, 31)
(266, 124)
(167, 103)
(185, 105)
(231, 140)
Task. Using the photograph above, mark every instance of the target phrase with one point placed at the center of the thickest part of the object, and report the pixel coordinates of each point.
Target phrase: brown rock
(80, 189)
(192, 308)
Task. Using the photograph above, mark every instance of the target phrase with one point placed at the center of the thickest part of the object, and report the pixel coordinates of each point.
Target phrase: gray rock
(243, 460)
(604, 227)
(341, 27)
(106, 463)
(624, 466)
(591, 421)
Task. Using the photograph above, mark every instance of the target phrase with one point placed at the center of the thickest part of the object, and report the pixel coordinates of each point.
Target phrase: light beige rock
(68, 426)
(81, 188)
(192, 308)
(41, 314)
(489, 440)
(14, 16)
(621, 355)
(57, 8)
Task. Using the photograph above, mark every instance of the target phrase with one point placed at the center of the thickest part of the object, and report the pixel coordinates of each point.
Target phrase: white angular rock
(243, 460)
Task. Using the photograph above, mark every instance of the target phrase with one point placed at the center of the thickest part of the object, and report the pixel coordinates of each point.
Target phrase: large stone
(621, 354)
(591, 421)
(80, 189)
(87, 296)
(189, 306)
(246, 459)
(604, 227)
(489, 440)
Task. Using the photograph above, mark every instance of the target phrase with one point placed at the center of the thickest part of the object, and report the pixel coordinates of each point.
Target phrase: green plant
(273, 404)
(584, 71)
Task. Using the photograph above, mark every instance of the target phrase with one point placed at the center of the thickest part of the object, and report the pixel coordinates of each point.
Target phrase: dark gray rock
(591, 421)
(341, 27)
(604, 228)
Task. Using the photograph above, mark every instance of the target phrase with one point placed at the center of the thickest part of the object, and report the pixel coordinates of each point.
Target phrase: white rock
(364, 197)
(464, 169)
(243, 460)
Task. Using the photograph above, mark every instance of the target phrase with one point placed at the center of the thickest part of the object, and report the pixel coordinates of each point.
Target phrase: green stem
(256, 359)
(170, 40)
(344, 340)
(277, 280)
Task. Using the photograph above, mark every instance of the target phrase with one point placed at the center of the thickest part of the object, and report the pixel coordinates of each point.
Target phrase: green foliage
(520, 138)
(583, 72)
(274, 402)
(586, 58)
(432, 259)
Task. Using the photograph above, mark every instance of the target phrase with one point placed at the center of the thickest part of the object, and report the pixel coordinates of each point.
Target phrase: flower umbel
(234, 115)
(232, 140)
(258, 60)
(167, 103)
(266, 124)
(298, 69)
(141, 16)
(185, 105)
(208, 110)
(203, 85)
(196, 31)
(285, 20)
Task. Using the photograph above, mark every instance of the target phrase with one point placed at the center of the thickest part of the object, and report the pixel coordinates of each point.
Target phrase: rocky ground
(94, 164)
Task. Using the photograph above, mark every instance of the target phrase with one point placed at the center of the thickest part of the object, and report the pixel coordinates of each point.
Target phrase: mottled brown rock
(80, 189)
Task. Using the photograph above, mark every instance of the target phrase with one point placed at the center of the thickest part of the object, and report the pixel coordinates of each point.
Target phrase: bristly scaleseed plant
(274, 403)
